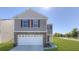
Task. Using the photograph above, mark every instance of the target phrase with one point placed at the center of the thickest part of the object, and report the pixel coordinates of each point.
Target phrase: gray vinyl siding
(43, 26)
(49, 30)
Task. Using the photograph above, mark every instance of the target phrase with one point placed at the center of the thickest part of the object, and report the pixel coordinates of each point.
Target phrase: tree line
(74, 34)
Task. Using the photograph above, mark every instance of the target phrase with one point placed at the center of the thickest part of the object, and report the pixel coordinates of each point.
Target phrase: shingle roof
(30, 14)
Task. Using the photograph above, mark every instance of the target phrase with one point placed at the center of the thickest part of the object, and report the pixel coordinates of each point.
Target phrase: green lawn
(62, 45)
(65, 45)
(6, 46)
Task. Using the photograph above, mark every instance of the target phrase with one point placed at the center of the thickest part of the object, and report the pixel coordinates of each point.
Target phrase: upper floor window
(35, 23)
(30, 23)
(24, 23)
(51, 27)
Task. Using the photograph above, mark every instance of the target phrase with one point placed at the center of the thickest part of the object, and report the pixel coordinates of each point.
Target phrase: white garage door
(30, 39)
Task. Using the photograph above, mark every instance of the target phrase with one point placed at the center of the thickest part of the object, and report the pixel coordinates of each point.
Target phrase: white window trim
(30, 31)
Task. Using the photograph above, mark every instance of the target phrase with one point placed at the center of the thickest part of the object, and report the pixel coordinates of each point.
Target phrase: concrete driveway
(28, 48)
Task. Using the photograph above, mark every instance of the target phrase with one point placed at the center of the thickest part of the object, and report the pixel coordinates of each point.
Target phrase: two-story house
(29, 28)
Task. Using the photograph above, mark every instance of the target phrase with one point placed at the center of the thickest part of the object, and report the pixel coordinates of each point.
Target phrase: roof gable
(30, 14)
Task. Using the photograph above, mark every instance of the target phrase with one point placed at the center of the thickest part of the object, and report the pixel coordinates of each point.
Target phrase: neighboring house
(28, 28)
(6, 30)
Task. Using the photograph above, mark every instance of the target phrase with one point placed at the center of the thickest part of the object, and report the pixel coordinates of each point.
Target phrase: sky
(64, 19)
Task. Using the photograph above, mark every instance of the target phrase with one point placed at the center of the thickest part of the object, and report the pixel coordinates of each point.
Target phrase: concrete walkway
(28, 48)
(52, 46)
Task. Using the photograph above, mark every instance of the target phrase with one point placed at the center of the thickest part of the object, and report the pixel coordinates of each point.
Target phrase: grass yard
(61, 43)
(65, 44)
(6, 46)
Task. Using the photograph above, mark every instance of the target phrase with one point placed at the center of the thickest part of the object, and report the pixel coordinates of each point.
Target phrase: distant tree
(62, 35)
(75, 33)
(68, 34)
(57, 35)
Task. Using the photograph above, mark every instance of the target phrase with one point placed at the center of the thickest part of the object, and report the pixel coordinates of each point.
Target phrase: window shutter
(31, 23)
(38, 23)
(21, 23)
(28, 23)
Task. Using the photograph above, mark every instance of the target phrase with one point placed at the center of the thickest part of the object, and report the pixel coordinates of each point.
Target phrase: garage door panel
(30, 39)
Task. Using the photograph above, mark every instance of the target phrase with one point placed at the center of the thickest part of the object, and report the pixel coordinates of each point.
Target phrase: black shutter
(38, 23)
(28, 23)
(32, 23)
(21, 24)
